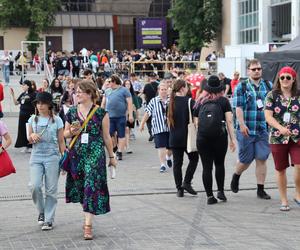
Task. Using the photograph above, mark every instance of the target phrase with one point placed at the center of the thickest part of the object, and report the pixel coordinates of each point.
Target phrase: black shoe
(221, 196)
(151, 138)
(211, 200)
(41, 219)
(189, 188)
(180, 192)
(119, 156)
(263, 195)
(115, 149)
(169, 163)
(234, 185)
(47, 226)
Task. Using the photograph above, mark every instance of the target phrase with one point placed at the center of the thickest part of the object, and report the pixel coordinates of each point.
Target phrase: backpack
(211, 122)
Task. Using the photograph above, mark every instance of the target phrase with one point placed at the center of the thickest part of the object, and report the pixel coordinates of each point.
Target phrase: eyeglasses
(285, 77)
(79, 92)
(255, 69)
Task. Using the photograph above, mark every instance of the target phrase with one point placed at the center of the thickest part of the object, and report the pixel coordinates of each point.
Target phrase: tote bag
(6, 165)
(192, 134)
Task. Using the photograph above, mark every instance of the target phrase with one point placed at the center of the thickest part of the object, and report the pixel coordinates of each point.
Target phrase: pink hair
(205, 96)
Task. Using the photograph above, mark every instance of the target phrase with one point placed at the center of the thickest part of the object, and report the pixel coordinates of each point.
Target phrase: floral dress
(90, 186)
(281, 105)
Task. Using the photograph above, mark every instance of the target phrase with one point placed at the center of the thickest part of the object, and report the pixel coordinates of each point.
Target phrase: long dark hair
(53, 88)
(36, 118)
(178, 84)
(131, 87)
(295, 88)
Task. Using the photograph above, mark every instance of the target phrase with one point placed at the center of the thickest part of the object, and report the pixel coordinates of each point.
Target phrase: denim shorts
(117, 124)
(161, 140)
(253, 147)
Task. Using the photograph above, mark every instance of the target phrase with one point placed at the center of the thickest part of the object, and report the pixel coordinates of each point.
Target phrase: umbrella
(195, 79)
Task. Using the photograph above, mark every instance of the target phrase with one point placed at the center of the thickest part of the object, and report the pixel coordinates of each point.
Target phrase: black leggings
(212, 150)
(178, 154)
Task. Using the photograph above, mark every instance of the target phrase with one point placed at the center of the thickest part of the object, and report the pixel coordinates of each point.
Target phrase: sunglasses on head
(255, 69)
(285, 77)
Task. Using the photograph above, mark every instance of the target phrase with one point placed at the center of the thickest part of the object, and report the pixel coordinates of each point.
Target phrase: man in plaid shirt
(252, 134)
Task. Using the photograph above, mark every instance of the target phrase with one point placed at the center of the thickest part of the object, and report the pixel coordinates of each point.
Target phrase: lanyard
(289, 103)
(81, 116)
(250, 85)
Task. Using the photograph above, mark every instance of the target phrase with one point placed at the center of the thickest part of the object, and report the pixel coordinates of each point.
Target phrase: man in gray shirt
(117, 101)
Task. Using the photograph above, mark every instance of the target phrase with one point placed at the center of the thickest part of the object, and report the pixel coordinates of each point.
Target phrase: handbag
(65, 162)
(6, 165)
(192, 134)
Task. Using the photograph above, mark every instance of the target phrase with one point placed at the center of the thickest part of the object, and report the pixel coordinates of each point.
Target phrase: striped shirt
(253, 116)
(158, 110)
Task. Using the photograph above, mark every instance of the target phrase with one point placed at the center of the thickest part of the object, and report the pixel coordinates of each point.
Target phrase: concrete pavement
(146, 214)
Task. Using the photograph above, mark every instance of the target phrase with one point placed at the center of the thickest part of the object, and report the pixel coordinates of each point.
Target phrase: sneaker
(221, 196)
(128, 150)
(169, 163)
(27, 150)
(41, 219)
(132, 136)
(115, 149)
(189, 188)
(163, 169)
(263, 195)
(151, 138)
(211, 200)
(119, 156)
(234, 185)
(47, 226)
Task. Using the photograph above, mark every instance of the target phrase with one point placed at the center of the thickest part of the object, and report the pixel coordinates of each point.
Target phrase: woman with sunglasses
(282, 112)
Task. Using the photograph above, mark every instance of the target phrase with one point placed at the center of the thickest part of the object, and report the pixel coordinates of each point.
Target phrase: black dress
(26, 110)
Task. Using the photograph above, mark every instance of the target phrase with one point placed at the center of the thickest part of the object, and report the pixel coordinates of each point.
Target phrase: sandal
(87, 232)
(285, 208)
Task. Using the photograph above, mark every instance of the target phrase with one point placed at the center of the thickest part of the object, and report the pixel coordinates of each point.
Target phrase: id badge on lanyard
(85, 138)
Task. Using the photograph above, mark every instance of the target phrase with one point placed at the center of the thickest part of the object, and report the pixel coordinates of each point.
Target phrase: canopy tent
(287, 55)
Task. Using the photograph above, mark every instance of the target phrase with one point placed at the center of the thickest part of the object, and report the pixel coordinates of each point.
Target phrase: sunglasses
(255, 69)
(285, 77)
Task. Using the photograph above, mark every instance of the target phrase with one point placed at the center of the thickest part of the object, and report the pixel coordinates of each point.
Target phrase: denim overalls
(44, 163)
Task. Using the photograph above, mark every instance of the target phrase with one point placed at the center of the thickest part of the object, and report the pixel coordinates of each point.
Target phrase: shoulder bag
(192, 134)
(65, 162)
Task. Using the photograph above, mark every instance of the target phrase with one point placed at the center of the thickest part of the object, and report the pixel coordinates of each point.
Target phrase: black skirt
(22, 137)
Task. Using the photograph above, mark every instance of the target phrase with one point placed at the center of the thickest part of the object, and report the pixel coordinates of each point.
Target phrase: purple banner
(151, 33)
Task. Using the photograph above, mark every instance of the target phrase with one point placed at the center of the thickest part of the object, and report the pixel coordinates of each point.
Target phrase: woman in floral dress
(88, 185)
(282, 112)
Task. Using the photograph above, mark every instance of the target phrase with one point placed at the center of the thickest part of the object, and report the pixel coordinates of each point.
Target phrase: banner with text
(151, 33)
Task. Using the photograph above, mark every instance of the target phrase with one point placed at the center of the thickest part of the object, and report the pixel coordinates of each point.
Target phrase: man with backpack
(252, 134)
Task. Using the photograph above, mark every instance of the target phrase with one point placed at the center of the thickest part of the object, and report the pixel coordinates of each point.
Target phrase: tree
(197, 21)
(36, 15)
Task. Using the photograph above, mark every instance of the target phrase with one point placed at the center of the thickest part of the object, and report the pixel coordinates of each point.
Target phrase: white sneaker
(27, 150)
(112, 170)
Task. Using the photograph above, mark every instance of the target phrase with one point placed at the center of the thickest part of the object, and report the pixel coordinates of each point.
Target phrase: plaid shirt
(253, 116)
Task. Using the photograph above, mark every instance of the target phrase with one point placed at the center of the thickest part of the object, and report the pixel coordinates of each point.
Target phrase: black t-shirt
(25, 100)
(76, 61)
(227, 81)
(63, 64)
(224, 103)
(150, 91)
(178, 133)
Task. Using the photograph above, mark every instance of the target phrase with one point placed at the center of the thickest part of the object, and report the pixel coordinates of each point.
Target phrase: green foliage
(37, 15)
(197, 21)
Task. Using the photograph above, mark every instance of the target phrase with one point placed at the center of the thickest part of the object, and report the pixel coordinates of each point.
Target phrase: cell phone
(75, 123)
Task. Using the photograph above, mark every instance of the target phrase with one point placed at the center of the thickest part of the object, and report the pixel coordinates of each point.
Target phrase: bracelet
(111, 157)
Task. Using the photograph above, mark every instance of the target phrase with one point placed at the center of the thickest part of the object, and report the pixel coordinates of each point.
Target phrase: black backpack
(211, 122)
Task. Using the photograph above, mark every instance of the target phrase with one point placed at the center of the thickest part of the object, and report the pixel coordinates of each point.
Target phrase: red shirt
(1, 95)
(233, 84)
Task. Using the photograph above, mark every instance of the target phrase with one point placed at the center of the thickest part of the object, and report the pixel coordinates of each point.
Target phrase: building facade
(94, 24)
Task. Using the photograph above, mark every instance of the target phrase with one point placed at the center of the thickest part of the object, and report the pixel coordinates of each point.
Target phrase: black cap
(213, 85)
(44, 97)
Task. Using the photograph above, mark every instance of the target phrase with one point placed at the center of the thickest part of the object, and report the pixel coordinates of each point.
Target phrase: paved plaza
(145, 212)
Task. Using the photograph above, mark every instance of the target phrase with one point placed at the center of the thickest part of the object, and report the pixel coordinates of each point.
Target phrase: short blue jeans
(253, 147)
(117, 124)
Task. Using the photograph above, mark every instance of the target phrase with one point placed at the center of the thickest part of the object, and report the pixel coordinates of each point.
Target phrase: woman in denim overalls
(46, 135)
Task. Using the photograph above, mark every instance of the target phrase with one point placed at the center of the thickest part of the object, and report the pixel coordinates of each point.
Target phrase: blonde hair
(89, 87)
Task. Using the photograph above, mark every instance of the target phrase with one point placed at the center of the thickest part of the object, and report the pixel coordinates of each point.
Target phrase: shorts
(117, 124)
(161, 140)
(281, 153)
(253, 147)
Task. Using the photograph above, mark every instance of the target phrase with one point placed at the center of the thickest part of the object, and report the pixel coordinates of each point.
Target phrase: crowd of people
(103, 112)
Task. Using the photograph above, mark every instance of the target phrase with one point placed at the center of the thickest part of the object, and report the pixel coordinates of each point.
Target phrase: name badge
(287, 117)
(259, 103)
(85, 138)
